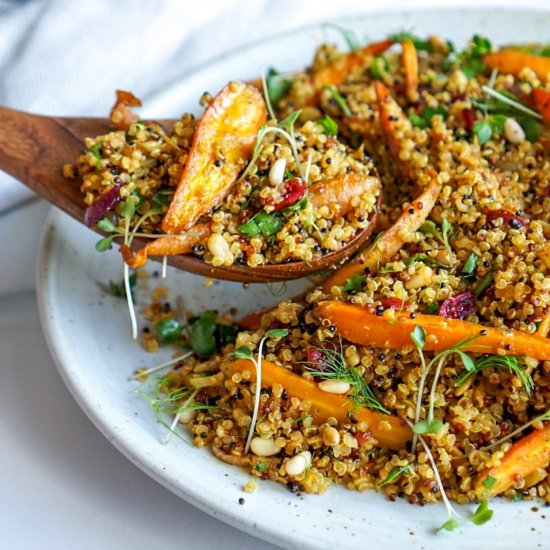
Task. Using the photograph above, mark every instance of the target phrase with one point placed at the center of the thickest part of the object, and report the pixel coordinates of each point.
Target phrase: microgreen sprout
(142, 374)
(479, 517)
(395, 472)
(339, 100)
(277, 290)
(469, 269)
(431, 424)
(275, 86)
(336, 368)
(541, 418)
(506, 362)
(284, 128)
(349, 36)
(243, 352)
(442, 235)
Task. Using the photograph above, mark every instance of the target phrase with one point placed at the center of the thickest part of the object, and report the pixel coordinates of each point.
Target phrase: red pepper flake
(468, 116)
(294, 190)
(515, 222)
(458, 306)
(394, 303)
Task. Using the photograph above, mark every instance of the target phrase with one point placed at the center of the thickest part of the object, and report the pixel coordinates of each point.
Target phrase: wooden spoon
(34, 148)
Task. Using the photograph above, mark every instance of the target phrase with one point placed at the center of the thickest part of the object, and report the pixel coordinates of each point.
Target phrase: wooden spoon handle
(34, 149)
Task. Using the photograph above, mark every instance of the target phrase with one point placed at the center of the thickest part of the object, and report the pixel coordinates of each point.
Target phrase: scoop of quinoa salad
(421, 367)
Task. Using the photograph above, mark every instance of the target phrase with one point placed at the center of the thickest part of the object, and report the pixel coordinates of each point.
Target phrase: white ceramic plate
(88, 334)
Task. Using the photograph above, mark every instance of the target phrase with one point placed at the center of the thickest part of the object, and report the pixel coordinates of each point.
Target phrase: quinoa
(494, 199)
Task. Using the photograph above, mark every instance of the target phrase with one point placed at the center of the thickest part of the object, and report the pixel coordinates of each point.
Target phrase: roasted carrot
(391, 241)
(166, 246)
(335, 73)
(513, 61)
(342, 190)
(541, 102)
(222, 143)
(394, 123)
(122, 115)
(390, 330)
(390, 431)
(524, 457)
(409, 59)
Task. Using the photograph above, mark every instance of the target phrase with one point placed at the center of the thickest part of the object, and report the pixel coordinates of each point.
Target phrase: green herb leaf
(96, 150)
(469, 270)
(277, 333)
(203, 341)
(482, 515)
(119, 289)
(168, 330)
(489, 482)
(418, 121)
(104, 244)
(262, 223)
(427, 427)
(277, 85)
(424, 259)
(418, 336)
(354, 284)
(532, 128)
(290, 120)
(226, 334)
(483, 285)
(243, 352)
(395, 472)
(467, 361)
(107, 226)
(429, 112)
(339, 100)
(432, 308)
(300, 205)
(349, 36)
(329, 125)
(379, 67)
(482, 129)
(450, 525)
(419, 43)
(260, 467)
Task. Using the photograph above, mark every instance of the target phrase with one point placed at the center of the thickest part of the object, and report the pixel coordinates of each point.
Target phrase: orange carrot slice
(541, 103)
(390, 431)
(121, 114)
(342, 190)
(360, 326)
(223, 141)
(513, 61)
(335, 73)
(166, 246)
(524, 457)
(391, 241)
(410, 67)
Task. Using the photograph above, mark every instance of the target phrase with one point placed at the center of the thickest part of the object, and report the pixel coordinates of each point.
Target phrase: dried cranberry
(469, 119)
(394, 303)
(362, 437)
(294, 190)
(102, 205)
(458, 306)
(515, 222)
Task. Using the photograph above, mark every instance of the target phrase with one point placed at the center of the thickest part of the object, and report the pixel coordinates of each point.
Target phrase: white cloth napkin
(67, 57)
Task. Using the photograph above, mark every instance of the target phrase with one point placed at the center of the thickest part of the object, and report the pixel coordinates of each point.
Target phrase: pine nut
(513, 131)
(423, 277)
(331, 436)
(277, 172)
(263, 447)
(334, 386)
(297, 464)
(220, 249)
(187, 416)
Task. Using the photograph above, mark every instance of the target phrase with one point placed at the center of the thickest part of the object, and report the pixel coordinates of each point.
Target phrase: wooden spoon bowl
(34, 148)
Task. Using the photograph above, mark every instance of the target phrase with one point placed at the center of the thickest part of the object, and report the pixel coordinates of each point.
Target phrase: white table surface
(64, 486)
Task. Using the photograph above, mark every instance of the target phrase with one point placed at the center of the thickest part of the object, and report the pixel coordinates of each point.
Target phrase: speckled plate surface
(88, 334)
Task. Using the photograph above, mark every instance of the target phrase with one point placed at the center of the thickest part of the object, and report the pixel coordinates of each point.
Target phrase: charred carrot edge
(165, 246)
(325, 405)
(391, 241)
(541, 102)
(513, 61)
(342, 190)
(360, 326)
(409, 59)
(335, 73)
(523, 458)
(223, 141)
